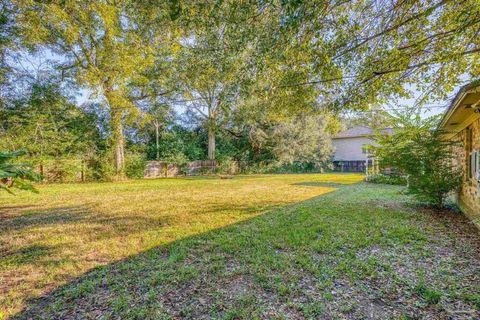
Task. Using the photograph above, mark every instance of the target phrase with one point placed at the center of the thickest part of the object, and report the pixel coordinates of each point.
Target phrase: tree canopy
(270, 66)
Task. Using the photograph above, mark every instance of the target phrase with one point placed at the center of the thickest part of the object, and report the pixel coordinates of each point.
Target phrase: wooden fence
(162, 169)
(349, 166)
(62, 170)
(66, 170)
(199, 167)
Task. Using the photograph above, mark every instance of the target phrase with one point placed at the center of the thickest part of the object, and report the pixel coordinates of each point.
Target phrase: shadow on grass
(165, 279)
(73, 214)
(26, 255)
(298, 261)
(4, 210)
(322, 184)
(67, 224)
(35, 218)
(275, 265)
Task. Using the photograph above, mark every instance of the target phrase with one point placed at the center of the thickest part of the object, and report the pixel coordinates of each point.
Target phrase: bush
(392, 179)
(420, 151)
(61, 170)
(257, 168)
(435, 185)
(135, 165)
(275, 167)
(180, 159)
(226, 165)
(99, 167)
(296, 167)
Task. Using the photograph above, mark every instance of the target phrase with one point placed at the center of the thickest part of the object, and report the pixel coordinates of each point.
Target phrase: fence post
(82, 171)
(366, 169)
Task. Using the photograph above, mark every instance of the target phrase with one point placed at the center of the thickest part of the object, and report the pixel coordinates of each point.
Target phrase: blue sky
(32, 63)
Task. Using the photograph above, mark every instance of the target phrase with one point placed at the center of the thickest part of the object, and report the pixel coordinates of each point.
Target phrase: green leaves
(15, 175)
(48, 123)
(282, 58)
(421, 153)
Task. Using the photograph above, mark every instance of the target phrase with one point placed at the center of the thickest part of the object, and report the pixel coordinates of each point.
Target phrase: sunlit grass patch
(49, 238)
(278, 246)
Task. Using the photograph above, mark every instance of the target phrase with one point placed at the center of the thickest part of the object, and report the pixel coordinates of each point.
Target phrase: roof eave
(466, 89)
(453, 107)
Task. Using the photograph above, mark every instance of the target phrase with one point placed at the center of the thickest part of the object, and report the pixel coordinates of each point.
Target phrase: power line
(404, 108)
(371, 111)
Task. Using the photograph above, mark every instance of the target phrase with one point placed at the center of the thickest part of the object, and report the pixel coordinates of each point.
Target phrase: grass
(279, 246)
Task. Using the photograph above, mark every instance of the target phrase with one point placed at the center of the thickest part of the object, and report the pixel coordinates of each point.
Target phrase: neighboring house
(461, 123)
(350, 146)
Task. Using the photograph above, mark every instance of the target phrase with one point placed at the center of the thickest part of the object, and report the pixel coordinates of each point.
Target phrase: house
(351, 152)
(461, 123)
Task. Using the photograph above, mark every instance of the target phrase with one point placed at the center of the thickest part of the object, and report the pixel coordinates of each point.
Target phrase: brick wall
(469, 195)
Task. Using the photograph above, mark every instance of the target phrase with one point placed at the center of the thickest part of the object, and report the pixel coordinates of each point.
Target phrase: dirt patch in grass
(441, 280)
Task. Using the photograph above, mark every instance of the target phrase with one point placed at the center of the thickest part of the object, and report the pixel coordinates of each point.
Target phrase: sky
(32, 63)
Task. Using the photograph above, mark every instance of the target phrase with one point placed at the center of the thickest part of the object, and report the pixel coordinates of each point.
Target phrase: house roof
(455, 104)
(359, 131)
(462, 110)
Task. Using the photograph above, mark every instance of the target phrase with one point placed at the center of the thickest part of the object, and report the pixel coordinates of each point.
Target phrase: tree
(7, 37)
(371, 51)
(178, 142)
(209, 92)
(420, 151)
(160, 116)
(375, 117)
(283, 140)
(16, 175)
(303, 139)
(46, 124)
(102, 45)
(210, 68)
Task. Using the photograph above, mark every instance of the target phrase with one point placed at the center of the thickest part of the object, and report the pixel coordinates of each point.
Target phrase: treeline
(116, 82)
(67, 139)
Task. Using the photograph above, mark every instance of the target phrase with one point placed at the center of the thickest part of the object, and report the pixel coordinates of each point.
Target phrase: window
(473, 157)
(472, 164)
(475, 165)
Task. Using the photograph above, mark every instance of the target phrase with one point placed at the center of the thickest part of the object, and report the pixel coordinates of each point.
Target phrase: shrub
(135, 165)
(61, 170)
(100, 167)
(296, 167)
(420, 152)
(180, 159)
(392, 179)
(275, 167)
(226, 165)
(257, 167)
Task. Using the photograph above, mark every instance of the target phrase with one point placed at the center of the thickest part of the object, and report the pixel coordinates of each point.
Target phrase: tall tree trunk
(211, 143)
(118, 141)
(157, 139)
(116, 123)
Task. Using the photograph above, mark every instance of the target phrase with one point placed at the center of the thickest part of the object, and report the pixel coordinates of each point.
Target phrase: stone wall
(469, 195)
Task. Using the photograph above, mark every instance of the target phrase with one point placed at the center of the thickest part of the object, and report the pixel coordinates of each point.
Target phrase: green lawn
(280, 246)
